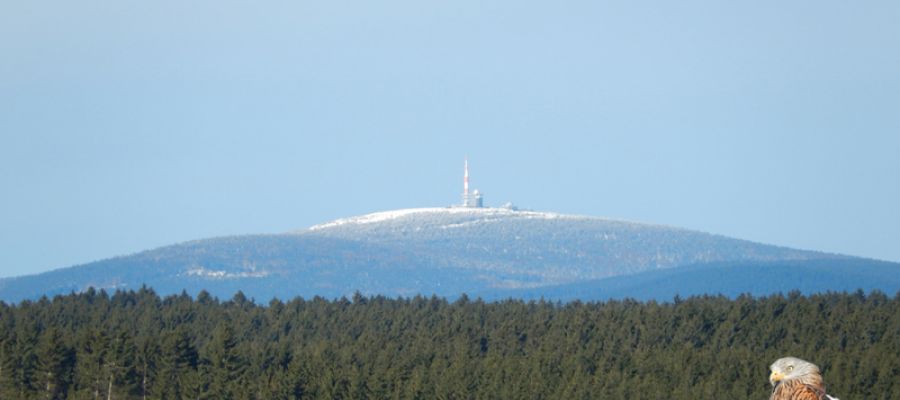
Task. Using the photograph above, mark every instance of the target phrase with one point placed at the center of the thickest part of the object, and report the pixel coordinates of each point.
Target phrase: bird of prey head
(792, 368)
(793, 378)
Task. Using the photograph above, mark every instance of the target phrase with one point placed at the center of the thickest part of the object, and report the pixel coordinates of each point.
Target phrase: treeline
(136, 345)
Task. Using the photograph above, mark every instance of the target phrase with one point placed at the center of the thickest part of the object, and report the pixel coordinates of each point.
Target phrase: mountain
(494, 252)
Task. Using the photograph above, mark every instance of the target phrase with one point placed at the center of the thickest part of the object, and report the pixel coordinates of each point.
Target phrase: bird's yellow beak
(775, 377)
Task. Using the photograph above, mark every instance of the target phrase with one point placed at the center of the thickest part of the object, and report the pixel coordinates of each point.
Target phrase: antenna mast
(472, 199)
(466, 179)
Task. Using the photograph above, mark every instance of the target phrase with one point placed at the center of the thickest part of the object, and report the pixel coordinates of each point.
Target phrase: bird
(796, 379)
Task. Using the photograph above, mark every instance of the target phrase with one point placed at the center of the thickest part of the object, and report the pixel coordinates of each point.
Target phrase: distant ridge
(495, 252)
(728, 279)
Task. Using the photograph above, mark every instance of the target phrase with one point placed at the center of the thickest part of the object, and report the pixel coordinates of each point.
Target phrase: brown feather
(795, 390)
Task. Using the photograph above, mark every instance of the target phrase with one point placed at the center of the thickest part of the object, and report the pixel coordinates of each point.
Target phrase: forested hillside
(133, 345)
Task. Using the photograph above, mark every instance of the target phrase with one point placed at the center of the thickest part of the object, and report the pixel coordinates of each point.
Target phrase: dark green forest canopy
(133, 344)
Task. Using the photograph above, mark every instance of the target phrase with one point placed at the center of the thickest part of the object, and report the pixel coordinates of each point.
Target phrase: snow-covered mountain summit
(427, 219)
(450, 214)
(512, 248)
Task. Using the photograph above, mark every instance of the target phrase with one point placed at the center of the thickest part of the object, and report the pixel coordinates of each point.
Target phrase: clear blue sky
(128, 125)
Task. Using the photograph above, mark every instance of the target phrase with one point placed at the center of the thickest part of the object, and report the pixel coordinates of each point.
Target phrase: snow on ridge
(376, 217)
(397, 214)
(200, 271)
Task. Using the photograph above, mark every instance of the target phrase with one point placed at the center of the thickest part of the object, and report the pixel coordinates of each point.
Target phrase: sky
(129, 125)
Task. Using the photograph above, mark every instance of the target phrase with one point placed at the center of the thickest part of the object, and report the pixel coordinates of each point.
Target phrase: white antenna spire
(470, 199)
(466, 178)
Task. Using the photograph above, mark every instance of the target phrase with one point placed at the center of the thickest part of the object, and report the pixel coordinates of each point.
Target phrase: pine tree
(7, 353)
(56, 363)
(146, 366)
(226, 367)
(92, 346)
(119, 366)
(178, 376)
(25, 358)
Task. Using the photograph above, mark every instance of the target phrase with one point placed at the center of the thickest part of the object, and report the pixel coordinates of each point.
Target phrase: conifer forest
(137, 345)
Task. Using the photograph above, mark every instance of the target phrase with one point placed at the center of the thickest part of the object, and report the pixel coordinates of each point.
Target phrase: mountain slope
(537, 248)
(443, 251)
(728, 279)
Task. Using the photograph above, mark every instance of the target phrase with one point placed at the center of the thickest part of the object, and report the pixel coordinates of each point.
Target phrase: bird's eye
(790, 368)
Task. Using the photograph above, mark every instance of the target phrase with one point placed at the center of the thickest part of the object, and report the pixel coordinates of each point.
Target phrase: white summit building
(470, 199)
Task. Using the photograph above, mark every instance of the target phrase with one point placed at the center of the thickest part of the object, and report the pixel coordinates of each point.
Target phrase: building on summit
(470, 199)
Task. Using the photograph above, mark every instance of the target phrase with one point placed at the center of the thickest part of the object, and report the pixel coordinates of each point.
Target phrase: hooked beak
(775, 377)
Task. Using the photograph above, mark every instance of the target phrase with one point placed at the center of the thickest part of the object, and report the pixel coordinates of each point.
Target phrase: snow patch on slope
(486, 214)
(202, 272)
